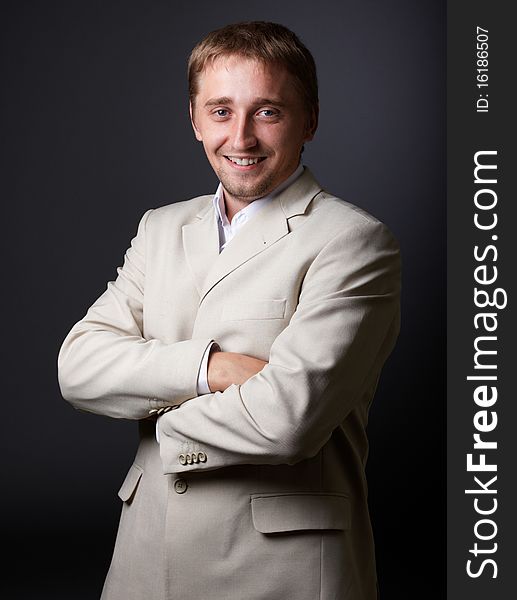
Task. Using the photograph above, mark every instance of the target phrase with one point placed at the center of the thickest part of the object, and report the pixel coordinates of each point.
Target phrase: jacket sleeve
(106, 366)
(320, 366)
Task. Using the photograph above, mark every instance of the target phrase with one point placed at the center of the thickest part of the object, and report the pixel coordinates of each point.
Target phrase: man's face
(252, 123)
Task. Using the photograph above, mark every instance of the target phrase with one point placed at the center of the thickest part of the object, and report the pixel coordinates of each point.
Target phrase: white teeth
(243, 162)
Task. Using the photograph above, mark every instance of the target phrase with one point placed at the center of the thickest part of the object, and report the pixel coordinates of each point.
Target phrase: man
(263, 314)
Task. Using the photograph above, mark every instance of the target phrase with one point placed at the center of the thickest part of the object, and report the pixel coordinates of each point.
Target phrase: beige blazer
(257, 493)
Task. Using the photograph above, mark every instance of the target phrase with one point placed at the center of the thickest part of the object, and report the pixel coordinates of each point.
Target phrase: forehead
(241, 77)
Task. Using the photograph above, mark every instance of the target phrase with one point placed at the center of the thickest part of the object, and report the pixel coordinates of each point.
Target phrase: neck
(233, 205)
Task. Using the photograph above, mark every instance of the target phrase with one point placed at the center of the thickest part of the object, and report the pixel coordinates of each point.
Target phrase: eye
(267, 112)
(221, 112)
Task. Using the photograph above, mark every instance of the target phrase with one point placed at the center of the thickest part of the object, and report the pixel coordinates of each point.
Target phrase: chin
(248, 192)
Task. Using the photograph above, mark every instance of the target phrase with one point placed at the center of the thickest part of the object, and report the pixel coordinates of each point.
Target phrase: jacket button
(180, 486)
(201, 456)
(183, 459)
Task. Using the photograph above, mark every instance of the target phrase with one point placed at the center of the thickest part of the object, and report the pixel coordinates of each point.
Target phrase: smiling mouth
(244, 162)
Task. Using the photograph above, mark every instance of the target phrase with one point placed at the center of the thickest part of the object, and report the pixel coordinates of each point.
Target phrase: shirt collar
(254, 206)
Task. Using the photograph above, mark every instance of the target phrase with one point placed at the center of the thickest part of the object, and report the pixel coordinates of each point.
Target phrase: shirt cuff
(202, 377)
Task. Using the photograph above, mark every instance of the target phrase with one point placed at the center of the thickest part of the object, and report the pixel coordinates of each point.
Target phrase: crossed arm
(259, 412)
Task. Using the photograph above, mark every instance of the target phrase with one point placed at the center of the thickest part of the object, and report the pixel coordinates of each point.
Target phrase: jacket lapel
(201, 244)
(266, 227)
(270, 224)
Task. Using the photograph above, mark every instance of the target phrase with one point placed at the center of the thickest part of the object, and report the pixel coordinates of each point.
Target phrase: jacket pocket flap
(275, 513)
(254, 309)
(127, 489)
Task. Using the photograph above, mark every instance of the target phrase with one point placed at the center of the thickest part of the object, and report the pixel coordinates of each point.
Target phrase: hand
(227, 368)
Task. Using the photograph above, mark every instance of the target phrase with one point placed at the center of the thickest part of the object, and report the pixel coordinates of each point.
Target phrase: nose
(243, 133)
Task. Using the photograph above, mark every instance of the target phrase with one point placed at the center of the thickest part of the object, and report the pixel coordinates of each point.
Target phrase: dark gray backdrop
(95, 130)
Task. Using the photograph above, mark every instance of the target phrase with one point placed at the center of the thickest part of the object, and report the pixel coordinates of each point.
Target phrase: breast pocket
(250, 326)
(244, 310)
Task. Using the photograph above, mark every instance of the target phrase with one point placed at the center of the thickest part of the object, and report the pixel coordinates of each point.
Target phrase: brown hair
(263, 41)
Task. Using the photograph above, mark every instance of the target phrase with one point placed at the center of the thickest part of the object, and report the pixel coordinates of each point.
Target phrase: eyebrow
(257, 102)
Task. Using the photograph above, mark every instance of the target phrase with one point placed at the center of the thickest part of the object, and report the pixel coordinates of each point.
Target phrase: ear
(312, 124)
(197, 133)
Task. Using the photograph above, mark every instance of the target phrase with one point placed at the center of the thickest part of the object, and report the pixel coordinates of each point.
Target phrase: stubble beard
(246, 192)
